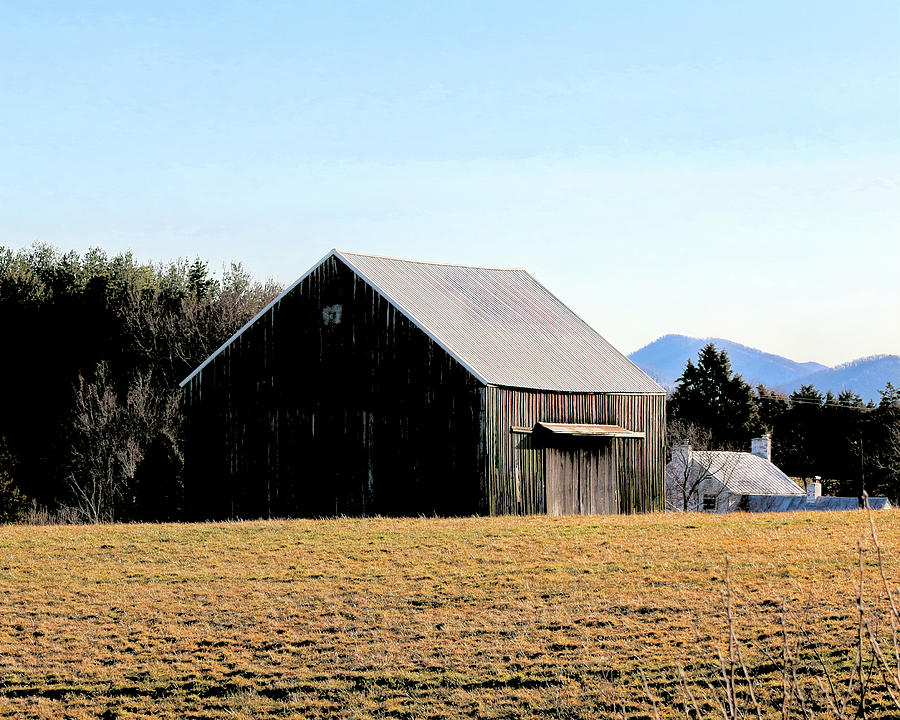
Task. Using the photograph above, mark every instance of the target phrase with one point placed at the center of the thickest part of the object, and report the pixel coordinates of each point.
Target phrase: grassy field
(482, 617)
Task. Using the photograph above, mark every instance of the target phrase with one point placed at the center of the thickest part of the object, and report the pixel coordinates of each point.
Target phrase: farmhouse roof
(744, 473)
(500, 323)
(771, 503)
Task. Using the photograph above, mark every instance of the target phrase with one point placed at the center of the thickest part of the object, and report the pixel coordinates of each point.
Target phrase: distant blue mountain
(865, 376)
(664, 360)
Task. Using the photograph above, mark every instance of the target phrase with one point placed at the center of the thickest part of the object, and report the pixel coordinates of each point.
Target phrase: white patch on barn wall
(331, 314)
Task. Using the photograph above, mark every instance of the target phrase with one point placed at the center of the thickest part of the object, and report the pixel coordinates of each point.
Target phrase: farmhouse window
(709, 503)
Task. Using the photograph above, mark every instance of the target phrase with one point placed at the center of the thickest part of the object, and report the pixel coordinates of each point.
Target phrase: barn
(376, 385)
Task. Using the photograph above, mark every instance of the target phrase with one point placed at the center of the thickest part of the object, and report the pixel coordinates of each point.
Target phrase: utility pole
(862, 472)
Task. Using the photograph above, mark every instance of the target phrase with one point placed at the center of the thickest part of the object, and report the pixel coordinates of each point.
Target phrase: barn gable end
(312, 409)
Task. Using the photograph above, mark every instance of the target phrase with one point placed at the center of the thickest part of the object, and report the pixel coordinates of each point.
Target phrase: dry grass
(484, 617)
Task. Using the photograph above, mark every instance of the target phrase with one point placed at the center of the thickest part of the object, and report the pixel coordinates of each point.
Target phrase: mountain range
(665, 358)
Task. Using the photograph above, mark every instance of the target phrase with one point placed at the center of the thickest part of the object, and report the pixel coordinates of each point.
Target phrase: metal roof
(500, 323)
(503, 325)
(585, 430)
(773, 503)
(742, 473)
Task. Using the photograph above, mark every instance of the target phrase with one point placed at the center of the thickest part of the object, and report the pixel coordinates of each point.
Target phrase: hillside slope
(664, 360)
(865, 376)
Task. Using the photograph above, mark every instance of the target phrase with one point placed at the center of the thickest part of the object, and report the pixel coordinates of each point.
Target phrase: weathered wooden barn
(375, 385)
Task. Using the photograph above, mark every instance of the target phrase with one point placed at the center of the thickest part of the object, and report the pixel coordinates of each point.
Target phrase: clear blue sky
(709, 168)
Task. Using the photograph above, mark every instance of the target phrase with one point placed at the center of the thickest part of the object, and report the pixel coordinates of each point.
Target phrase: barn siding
(352, 411)
(514, 475)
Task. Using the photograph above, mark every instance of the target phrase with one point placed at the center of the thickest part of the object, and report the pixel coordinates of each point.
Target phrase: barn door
(559, 481)
(580, 478)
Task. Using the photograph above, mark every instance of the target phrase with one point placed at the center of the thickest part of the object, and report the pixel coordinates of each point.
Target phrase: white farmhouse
(723, 481)
(718, 480)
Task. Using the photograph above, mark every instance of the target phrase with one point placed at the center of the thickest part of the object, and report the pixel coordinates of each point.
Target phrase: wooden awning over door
(579, 430)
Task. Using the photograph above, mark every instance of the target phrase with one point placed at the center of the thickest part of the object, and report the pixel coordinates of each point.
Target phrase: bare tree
(110, 438)
(694, 466)
(103, 458)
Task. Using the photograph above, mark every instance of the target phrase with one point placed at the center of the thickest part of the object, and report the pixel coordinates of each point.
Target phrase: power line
(848, 404)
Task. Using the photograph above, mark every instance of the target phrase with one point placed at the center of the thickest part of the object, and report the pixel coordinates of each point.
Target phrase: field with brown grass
(428, 618)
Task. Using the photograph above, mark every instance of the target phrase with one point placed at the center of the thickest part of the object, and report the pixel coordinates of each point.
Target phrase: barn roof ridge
(427, 262)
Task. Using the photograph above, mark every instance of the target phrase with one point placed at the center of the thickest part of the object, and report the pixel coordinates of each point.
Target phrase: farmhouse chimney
(813, 490)
(762, 447)
(681, 454)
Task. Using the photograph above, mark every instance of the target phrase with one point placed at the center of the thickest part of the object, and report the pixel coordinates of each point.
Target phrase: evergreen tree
(882, 458)
(200, 284)
(798, 436)
(770, 406)
(709, 395)
(843, 427)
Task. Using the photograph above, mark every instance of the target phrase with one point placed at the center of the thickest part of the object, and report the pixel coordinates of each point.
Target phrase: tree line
(852, 445)
(90, 422)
